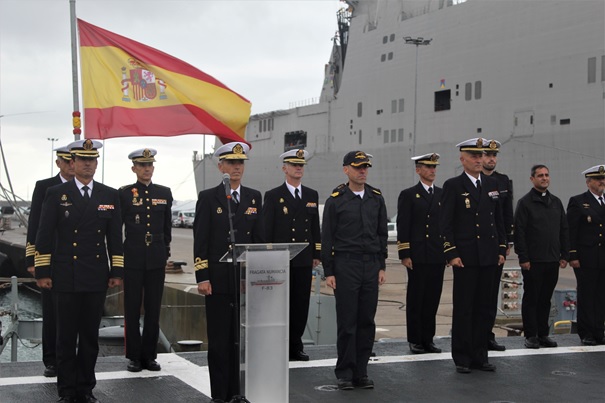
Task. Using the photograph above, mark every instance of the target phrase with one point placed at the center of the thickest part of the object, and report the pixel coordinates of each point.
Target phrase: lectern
(264, 318)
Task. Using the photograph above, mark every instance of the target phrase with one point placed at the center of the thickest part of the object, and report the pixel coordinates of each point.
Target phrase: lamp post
(52, 149)
(416, 41)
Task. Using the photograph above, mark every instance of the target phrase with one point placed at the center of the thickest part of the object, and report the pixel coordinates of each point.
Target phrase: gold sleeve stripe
(117, 261)
(502, 246)
(30, 250)
(41, 260)
(403, 246)
(573, 251)
(449, 249)
(200, 264)
(317, 246)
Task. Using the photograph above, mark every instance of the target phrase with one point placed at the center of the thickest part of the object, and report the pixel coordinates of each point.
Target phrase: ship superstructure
(412, 77)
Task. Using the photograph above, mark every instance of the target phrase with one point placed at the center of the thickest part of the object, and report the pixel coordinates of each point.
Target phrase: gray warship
(408, 77)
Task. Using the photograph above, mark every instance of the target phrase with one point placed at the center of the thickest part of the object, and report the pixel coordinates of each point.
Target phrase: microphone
(227, 185)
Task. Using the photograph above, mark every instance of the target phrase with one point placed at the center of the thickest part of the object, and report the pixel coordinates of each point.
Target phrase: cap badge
(360, 155)
(493, 145)
(602, 170)
(146, 153)
(434, 157)
(300, 154)
(480, 142)
(238, 149)
(87, 145)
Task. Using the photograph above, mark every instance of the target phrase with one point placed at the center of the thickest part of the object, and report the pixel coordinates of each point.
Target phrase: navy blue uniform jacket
(75, 238)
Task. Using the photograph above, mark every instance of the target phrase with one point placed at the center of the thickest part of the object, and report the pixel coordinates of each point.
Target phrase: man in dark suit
(215, 280)
(79, 255)
(505, 193)
(542, 245)
(49, 326)
(420, 250)
(291, 214)
(586, 217)
(147, 217)
(474, 243)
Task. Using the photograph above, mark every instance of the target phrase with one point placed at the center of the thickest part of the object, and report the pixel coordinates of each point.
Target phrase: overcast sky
(271, 52)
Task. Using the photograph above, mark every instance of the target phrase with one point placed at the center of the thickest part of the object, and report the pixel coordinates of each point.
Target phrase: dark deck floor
(567, 373)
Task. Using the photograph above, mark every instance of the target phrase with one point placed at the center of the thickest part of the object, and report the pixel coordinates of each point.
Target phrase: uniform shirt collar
(473, 179)
(80, 185)
(292, 189)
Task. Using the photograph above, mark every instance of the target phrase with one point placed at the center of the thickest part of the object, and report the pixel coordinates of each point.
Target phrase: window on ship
(443, 100)
(295, 140)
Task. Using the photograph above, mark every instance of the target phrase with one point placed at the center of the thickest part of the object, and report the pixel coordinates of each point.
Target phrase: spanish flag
(130, 89)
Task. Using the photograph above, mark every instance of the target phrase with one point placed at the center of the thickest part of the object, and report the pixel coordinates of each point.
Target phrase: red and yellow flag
(131, 89)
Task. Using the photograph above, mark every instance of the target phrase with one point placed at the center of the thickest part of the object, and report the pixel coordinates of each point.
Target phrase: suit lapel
(423, 193)
(221, 197)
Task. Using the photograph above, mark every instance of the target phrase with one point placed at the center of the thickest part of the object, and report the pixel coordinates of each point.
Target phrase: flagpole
(74, 69)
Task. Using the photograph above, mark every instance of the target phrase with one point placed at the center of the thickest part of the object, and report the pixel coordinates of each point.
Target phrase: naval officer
(291, 214)
(474, 243)
(215, 280)
(49, 326)
(354, 251)
(586, 217)
(420, 250)
(78, 256)
(147, 217)
(505, 194)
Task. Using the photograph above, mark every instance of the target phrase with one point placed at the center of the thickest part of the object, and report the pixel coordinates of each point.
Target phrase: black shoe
(417, 348)
(50, 371)
(461, 369)
(532, 342)
(546, 341)
(486, 366)
(299, 356)
(150, 365)
(363, 383)
(494, 346)
(134, 366)
(345, 384)
(88, 398)
(589, 341)
(431, 348)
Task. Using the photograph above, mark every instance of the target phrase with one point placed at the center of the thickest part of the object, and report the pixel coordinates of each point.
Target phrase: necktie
(430, 191)
(296, 194)
(235, 197)
(86, 195)
(479, 185)
(601, 200)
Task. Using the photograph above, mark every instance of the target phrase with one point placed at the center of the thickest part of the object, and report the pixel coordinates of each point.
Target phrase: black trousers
(49, 329)
(539, 282)
(222, 355)
(591, 302)
(78, 319)
(356, 302)
(425, 283)
(494, 300)
(300, 295)
(142, 287)
(471, 314)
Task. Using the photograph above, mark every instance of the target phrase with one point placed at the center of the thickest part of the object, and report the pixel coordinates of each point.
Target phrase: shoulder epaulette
(338, 190)
(126, 186)
(373, 189)
(335, 194)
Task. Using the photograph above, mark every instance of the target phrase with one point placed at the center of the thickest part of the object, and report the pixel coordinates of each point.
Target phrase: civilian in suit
(147, 217)
(215, 280)
(505, 193)
(474, 243)
(420, 250)
(542, 244)
(79, 255)
(49, 326)
(586, 218)
(291, 214)
(353, 251)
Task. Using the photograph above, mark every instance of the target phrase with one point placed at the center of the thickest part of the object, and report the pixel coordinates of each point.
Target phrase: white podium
(264, 319)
